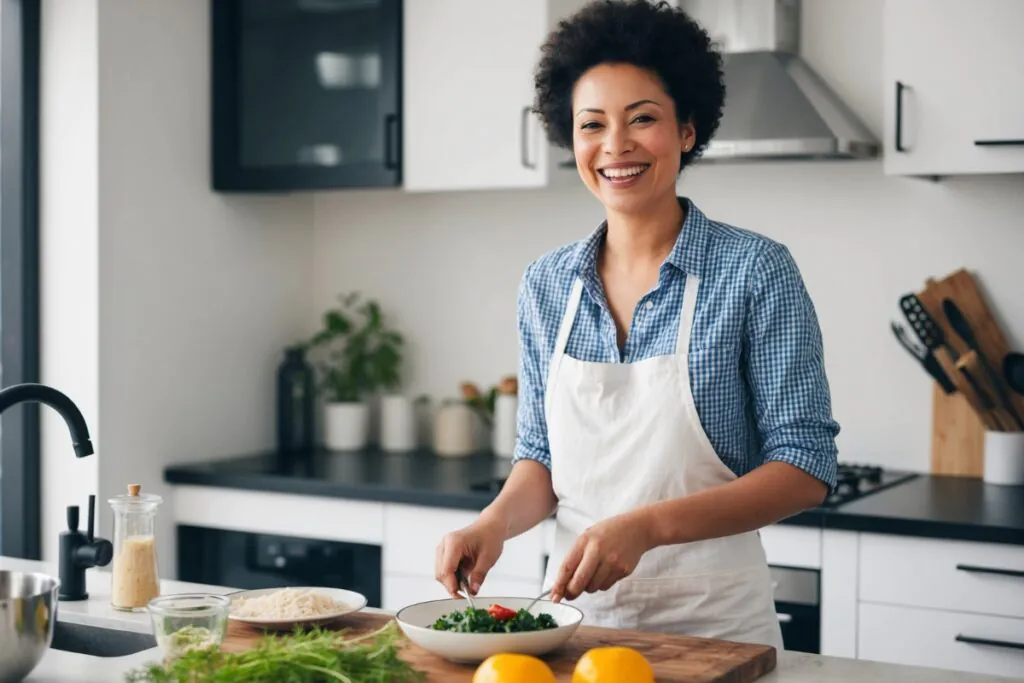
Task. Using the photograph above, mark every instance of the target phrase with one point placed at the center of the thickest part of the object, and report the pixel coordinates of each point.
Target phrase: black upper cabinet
(306, 94)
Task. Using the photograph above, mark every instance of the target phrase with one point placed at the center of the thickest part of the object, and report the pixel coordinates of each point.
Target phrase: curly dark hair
(653, 36)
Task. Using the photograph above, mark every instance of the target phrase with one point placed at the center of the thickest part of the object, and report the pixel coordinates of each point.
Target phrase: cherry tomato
(500, 613)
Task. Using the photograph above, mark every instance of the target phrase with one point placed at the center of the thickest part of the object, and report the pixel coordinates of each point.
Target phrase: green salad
(495, 619)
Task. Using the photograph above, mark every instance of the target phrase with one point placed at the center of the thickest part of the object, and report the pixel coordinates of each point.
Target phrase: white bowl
(472, 648)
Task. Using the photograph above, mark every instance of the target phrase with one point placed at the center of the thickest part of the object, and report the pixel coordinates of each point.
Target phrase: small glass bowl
(188, 621)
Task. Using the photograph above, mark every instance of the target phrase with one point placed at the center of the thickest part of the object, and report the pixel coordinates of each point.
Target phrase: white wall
(446, 266)
(197, 292)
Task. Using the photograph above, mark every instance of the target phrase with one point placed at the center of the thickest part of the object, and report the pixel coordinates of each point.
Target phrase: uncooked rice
(287, 603)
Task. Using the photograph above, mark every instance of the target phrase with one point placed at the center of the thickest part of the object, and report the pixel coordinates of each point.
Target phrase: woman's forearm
(526, 499)
(771, 492)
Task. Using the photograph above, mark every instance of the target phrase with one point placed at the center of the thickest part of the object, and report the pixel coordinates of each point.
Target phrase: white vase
(503, 436)
(397, 423)
(346, 426)
(454, 430)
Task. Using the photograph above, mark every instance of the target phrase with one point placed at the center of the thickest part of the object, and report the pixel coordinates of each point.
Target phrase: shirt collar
(687, 255)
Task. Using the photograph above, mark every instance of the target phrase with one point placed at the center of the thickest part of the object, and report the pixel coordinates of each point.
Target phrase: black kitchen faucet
(78, 551)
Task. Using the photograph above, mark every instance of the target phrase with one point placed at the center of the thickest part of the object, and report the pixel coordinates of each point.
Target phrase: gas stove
(853, 481)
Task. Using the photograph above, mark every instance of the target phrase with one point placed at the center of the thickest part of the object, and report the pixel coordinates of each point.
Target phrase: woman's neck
(639, 241)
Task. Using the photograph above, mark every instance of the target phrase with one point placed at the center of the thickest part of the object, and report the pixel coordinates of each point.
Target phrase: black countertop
(937, 507)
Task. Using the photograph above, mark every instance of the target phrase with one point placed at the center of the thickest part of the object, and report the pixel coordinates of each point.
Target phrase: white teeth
(623, 172)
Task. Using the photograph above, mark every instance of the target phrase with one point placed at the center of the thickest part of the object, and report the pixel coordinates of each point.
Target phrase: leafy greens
(314, 656)
(473, 620)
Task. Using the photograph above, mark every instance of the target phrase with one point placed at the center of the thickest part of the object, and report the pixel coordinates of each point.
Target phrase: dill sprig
(314, 656)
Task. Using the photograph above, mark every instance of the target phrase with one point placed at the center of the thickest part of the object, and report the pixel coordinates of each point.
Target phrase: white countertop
(65, 667)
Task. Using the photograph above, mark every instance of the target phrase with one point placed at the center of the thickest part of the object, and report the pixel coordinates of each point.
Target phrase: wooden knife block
(958, 436)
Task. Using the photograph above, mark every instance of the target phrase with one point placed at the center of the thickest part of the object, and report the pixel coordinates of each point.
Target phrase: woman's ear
(687, 136)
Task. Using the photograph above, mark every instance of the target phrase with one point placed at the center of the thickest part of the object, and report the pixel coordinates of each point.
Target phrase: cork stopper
(133, 490)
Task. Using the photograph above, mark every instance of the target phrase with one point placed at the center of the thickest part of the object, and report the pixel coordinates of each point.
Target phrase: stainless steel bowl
(28, 605)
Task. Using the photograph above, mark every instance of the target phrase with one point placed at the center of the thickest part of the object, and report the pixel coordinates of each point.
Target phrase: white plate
(472, 648)
(352, 601)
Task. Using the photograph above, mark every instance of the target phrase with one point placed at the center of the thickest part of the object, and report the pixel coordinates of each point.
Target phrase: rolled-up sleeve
(786, 368)
(531, 424)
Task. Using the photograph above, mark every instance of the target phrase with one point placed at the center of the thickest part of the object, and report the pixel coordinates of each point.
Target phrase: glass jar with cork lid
(135, 578)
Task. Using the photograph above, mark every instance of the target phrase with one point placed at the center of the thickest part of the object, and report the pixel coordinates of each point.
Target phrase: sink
(98, 641)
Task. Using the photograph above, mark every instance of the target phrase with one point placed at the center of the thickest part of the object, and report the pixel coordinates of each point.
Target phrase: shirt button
(650, 305)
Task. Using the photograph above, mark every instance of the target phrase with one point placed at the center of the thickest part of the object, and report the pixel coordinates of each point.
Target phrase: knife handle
(935, 370)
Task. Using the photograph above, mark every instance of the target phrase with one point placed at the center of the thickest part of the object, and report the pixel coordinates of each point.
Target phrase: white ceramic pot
(397, 423)
(1004, 458)
(503, 436)
(346, 426)
(454, 430)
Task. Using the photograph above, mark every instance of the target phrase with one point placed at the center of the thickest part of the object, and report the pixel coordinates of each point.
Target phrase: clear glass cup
(135, 577)
(189, 621)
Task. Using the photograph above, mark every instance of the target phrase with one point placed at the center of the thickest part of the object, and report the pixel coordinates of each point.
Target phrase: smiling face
(626, 138)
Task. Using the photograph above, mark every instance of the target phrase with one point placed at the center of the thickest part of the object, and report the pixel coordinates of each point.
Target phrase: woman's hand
(602, 555)
(473, 549)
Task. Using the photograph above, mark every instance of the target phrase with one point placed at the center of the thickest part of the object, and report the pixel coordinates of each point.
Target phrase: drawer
(399, 591)
(412, 533)
(936, 638)
(982, 578)
(792, 546)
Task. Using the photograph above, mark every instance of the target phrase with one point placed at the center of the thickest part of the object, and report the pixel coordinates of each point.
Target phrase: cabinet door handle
(899, 117)
(524, 139)
(784, 618)
(1000, 143)
(1009, 644)
(990, 570)
(391, 145)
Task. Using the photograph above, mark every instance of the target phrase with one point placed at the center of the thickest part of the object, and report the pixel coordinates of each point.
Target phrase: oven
(798, 606)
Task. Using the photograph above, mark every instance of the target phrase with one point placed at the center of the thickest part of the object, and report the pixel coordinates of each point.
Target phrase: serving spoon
(537, 599)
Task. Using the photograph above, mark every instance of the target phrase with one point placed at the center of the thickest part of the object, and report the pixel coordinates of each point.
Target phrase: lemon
(513, 668)
(612, 664)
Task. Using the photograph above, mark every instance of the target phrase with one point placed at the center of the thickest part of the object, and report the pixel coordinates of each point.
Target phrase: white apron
(624, 435)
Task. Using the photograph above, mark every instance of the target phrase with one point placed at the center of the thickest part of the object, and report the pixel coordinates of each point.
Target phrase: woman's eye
(590, 125)
(643, 118)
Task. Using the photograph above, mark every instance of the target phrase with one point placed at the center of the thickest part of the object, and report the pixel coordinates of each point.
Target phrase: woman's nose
(617, 140)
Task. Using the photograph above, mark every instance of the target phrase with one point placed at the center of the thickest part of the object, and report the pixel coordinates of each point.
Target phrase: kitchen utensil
(464, 585)
(28, 605)
(1004, 458)
(976, 393)
(188, 621)
(1013, 370)
(416, 620)
(923, 356)
(926, 329)
(958, 321)
(538, 599)
(350, 601)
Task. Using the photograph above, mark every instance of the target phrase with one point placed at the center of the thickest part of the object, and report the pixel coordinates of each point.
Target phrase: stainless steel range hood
(776, 107)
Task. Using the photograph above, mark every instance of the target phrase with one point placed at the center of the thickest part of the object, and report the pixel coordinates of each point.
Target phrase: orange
(513, 668)
(612, 664)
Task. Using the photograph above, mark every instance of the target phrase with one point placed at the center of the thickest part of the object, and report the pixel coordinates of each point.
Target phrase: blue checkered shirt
(756, 362)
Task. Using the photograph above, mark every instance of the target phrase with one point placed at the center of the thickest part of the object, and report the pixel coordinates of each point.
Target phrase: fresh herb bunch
(313, 656)
(473, 620)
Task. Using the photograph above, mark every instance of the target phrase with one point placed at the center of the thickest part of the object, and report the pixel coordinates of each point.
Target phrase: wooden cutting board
(675, 659)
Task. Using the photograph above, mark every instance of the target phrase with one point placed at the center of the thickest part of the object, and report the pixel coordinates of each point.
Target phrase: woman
(672, 384)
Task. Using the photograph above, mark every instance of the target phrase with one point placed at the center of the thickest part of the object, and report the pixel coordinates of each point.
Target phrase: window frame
(20, 490)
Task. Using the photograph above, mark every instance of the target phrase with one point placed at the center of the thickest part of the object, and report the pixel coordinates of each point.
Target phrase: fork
(537, 599)
(464, 585)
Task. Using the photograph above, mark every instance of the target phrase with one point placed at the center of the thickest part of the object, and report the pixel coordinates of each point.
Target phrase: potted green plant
(358, 354)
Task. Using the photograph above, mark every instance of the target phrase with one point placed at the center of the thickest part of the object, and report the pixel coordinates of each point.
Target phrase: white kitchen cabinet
(957, 641)
(954, 94)
(468, 95)
(965, 576)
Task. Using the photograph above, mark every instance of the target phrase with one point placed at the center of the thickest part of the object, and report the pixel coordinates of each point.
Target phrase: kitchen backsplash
(446, 266)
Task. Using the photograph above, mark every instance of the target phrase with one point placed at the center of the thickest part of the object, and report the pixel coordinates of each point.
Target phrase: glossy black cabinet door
(306, 94)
